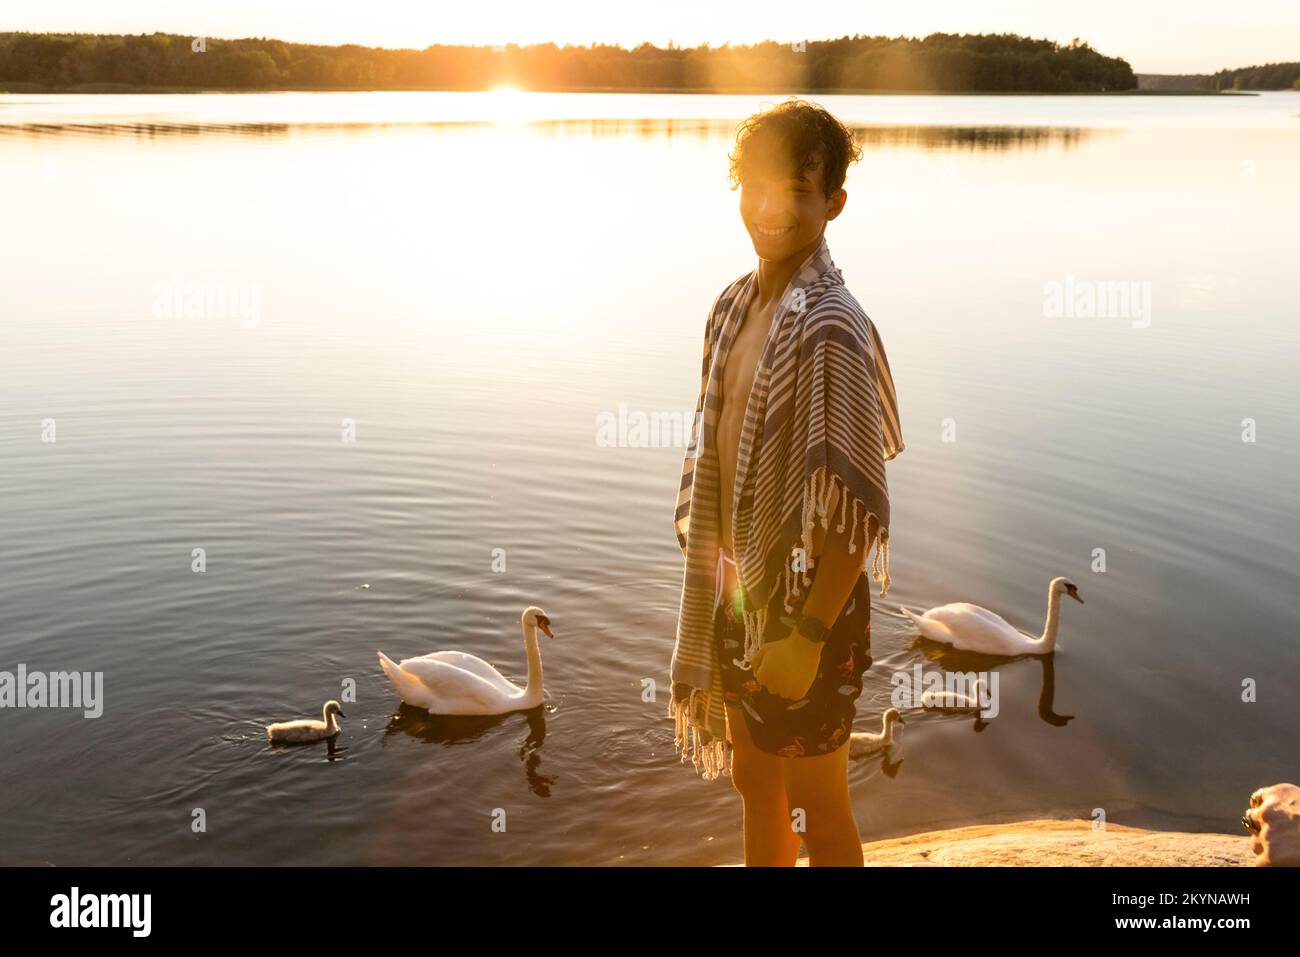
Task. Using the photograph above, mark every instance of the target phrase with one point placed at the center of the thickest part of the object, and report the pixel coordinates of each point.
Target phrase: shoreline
(1067, 842)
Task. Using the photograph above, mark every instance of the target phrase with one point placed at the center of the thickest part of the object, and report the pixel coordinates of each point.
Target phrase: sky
(1155, 36)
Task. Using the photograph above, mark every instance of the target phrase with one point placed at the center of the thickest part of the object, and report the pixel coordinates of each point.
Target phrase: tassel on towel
(709, 759)
(816, 502)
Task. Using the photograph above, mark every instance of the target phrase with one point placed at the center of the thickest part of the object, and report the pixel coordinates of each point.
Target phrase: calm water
(472, 280)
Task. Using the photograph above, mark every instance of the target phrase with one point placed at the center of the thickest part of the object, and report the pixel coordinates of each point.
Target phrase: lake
(355, 347)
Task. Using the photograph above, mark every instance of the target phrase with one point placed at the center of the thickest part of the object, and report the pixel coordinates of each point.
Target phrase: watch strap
(806, 625)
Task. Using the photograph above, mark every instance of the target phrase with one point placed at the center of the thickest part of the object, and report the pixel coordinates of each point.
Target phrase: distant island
(1270, 76)
(939, 63)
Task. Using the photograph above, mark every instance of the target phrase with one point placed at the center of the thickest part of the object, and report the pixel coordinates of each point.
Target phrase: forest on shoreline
(939, 63)
(1267, 76)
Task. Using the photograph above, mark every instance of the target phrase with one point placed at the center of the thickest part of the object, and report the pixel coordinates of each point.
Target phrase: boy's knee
(757, 778)
(756, 774)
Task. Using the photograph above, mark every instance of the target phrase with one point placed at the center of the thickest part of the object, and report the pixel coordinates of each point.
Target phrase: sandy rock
(1058, 844)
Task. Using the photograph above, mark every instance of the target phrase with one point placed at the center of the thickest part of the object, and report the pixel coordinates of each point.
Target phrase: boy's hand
(787, 668)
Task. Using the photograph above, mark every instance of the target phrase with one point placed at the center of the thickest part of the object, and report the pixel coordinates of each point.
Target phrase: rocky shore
(1064, 843)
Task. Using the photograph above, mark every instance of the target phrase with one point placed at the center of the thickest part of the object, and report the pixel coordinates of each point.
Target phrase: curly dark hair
(802, 134)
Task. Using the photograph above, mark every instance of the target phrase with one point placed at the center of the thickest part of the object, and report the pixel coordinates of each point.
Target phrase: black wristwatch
(806, 625)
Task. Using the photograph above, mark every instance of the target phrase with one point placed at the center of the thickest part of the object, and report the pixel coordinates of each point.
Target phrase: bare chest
(737, 381)
(742, 360)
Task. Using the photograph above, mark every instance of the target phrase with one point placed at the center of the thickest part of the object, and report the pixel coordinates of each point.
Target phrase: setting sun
(506, 105)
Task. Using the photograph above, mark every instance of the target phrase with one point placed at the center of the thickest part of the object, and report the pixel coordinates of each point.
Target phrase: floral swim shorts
(822, 720)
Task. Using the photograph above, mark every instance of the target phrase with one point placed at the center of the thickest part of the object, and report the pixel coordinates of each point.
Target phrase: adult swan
(454, 682)
(972, 628)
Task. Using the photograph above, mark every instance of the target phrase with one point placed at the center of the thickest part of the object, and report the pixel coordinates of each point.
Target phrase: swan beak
(1074, 593)
(545, 624)
(340, 714)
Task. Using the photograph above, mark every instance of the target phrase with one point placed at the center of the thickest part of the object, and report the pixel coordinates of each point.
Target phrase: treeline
(938, 63)
(1163, 82)
(1270, 76)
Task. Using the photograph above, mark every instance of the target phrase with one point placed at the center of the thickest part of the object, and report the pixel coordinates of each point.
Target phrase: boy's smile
(784, 214)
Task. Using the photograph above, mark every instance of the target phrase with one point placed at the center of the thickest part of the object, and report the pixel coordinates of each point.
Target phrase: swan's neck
(534, 659)
(888, 733)
(331, 721)
(1048, 638)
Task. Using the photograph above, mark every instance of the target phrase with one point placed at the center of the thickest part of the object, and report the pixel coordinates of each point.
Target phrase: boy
(795, 420)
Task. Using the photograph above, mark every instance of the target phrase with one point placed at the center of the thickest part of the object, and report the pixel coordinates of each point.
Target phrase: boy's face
(785, 214)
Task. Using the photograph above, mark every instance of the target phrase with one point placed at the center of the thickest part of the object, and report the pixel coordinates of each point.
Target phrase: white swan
(953, 699)
(862, 743)
(453, 682)
(297, 732)
(972, 628)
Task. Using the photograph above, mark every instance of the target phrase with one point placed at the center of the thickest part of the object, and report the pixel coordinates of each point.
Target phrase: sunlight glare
(506, 105)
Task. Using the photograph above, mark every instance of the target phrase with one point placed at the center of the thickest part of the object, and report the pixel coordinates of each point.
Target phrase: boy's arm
(788, 668)
(837, 571)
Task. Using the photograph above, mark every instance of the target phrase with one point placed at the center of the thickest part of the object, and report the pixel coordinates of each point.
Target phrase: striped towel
(822, 413)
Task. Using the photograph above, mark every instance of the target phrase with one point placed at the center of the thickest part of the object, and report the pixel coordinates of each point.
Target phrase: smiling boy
(795, 420)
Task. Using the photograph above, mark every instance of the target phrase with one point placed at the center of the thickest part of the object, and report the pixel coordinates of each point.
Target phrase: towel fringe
(853, 527)
(811, 499)
(824, 502)
(880, 563)
(816, 500)
(755, 626)
(708, 759)
(882, 553)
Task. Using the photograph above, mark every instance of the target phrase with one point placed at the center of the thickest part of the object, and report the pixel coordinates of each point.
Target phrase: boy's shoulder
(835, 305)
(723, 303)
(729, 293)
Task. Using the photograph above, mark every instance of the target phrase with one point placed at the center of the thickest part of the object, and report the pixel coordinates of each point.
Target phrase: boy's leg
(770, 841)
(820, 786)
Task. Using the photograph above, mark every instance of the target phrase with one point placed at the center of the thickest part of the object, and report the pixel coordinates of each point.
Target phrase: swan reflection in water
(467, 729)
(966, 661)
